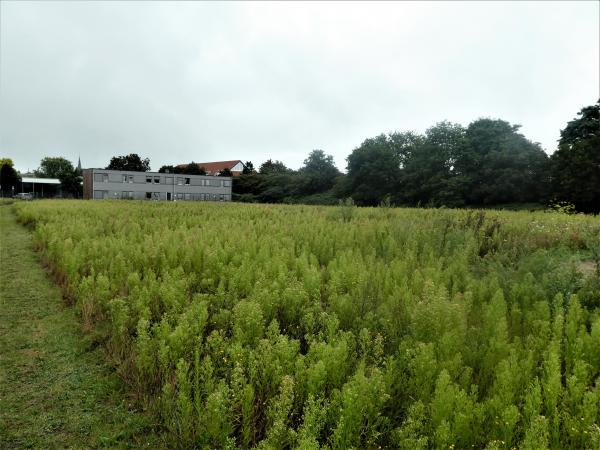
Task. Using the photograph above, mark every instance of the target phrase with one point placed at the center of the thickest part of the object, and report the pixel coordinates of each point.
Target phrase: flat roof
(40, 180)
(135, 172)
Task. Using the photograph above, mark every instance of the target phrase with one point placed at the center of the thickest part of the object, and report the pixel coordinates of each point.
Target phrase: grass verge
(56, 390)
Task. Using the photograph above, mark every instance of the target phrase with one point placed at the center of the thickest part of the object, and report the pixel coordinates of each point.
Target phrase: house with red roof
(216, 167)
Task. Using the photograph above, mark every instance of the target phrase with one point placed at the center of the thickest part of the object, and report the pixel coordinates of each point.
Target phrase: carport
(41, 187)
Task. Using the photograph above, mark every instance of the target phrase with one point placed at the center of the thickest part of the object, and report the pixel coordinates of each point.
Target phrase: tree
(575, 166)
(131, 162)
(375, 168)
(61, 168)
(277, 187)
(9, 177)
(247, 187)
(226, 172)
(429, 175)
(71, 182)
(54, 167)
(500, 165)
(248, 168)
(270, 166)
(193, 169)
(318, 173)
(168, 169)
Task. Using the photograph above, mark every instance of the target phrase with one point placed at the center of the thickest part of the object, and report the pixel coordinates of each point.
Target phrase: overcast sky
(178, 82)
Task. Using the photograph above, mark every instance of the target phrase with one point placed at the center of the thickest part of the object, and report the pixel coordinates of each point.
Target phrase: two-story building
(118, 184)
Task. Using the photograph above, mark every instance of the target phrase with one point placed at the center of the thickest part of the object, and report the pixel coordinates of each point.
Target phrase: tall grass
(339, 327)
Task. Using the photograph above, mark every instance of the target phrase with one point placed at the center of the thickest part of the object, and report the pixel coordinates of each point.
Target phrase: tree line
(487, 163)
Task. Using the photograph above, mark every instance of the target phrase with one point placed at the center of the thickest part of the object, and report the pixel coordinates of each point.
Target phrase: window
(221, 197)
(179, 181)
(130, 178)
(187, 181)
(101, 177)
(148, 179)
(179, 196)
(148, 195)
(124, 178)
(127, 194)
(226, 183)
(100, 194)
(169, 180)
(156, 196)
(156, 180)
(187, 197)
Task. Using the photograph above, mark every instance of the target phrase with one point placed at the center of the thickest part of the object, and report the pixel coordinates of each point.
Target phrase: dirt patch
(587, 268)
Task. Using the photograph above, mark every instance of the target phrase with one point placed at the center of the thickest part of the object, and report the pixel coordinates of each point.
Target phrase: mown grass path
(56, 390)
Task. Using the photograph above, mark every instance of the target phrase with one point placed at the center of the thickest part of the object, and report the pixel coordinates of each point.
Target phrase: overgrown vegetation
(340, 327)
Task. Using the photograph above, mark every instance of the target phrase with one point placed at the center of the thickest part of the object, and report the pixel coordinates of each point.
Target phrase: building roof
(216, 166)
(137, 172)
(40, 180)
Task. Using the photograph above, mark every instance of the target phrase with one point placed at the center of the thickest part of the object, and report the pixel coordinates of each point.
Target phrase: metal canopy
(40, 180)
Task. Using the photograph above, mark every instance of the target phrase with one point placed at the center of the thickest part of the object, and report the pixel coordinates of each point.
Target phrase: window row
(157, 179)
(187, 196)
(186, 181)
(103, 194)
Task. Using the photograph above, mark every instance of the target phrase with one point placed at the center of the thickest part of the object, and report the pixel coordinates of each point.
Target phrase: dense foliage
(576, 163)
(339, 327)
(192, 168)
(9, 177)
(276, 183)
(487, 163)
(132, 162)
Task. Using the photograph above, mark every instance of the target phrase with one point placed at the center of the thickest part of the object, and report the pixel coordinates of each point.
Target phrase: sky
(194, 81)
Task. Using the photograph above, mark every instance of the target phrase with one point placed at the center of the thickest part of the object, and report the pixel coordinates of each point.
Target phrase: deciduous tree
(575, 169)
(270, 166)
(61, 168)
(318, 173)
(9, 177)
(131, 162)
(54, 167)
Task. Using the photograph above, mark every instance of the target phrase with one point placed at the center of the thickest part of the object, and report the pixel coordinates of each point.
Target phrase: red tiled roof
(216, 166)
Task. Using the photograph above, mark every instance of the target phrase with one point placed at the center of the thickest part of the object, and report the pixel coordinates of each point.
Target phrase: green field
(340, 327)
